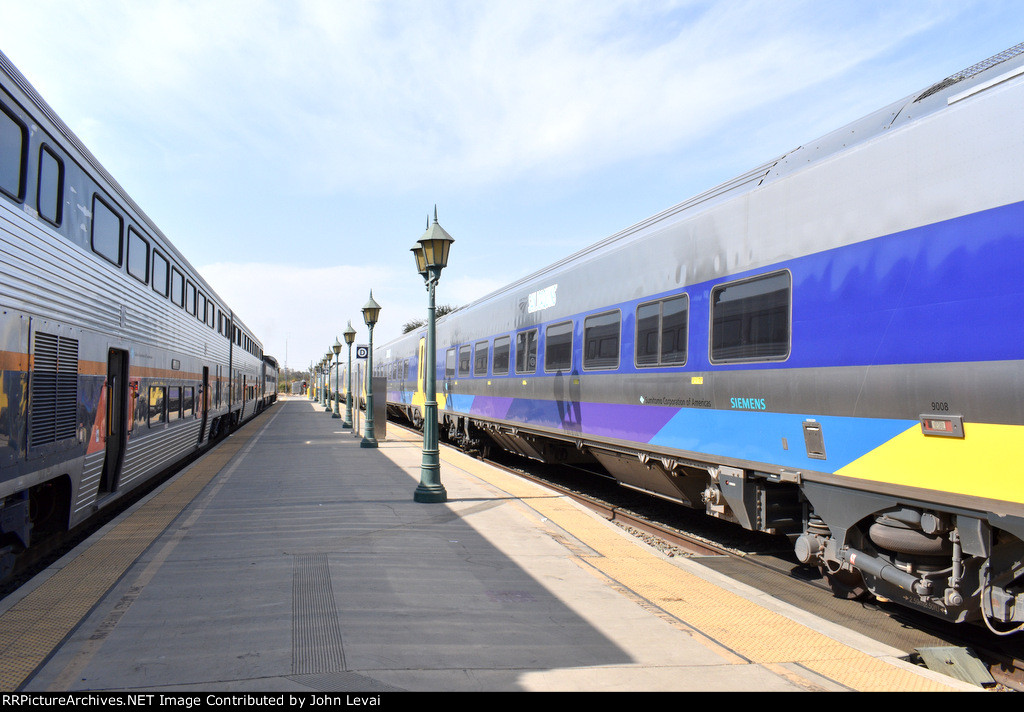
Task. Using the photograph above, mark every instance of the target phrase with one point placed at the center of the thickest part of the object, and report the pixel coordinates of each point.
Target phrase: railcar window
(13, 154)
(661, 332)
(161, 269)
(526, 351)
(465, 358)
(138, 256)
(750, 319)
(558, 347)
(50, 187)
(601, 340)
(157, 413)
(190, 298)
(674, 320)
(177, 287)
(201, 307)
(480, 354)
(107, 232)
(449, 363)
(188, 400)
(173, 403)
(502, 347)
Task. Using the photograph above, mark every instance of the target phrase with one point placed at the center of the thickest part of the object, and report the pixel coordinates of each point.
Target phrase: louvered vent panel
(66, 419)
(54, 395)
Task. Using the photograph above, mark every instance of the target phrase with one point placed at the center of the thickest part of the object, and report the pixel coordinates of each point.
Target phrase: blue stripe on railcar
(933, 294)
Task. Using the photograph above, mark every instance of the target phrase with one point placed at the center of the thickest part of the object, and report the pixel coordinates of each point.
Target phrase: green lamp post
(350, 336)
(337, 373)
(371, 311)
(327, 380)
(431, 255)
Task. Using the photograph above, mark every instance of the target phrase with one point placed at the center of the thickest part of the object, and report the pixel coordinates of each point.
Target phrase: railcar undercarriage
(953, 565)
(950, 563)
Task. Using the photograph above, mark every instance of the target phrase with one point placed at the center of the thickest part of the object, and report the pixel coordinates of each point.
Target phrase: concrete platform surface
(302, 563)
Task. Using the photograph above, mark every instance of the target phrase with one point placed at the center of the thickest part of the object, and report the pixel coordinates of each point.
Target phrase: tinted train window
(449, 363)
(601, 341)
(526, 351)
(661, 329)
(50, 188)
(558, 347)
(138, 256)
(156, 405)
(502, 347)
(173, 403)
(480, 358)
(160, 272)
(177, 287)
(750, 319)
(13, 155)
(107, 232)
(190, 298)
(465, 357)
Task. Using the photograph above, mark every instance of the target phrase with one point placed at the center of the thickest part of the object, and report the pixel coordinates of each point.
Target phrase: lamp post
(323, 383)
(350, 336)
(371, 310)
(431, 255)
(320, 381)
(337, 374)
(309, 384)
(327, 380)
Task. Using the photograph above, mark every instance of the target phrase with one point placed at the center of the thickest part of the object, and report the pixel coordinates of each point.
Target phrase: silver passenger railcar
(118, 359)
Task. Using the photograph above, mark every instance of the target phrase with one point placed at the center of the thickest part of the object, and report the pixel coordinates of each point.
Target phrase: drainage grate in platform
(316, 633)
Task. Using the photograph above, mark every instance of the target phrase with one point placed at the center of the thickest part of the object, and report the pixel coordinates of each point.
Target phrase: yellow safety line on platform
(744, 627)
(35, 625)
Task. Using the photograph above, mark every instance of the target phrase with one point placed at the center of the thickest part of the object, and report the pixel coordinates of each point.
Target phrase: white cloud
(328, 95)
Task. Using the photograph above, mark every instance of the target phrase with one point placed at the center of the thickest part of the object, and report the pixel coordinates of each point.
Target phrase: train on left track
(117, 359)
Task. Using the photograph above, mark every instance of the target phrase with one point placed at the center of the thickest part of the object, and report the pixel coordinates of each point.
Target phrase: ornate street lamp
(431, 255)
(309, 383)
(337, 373)
(371, 310)
(350, 336)
(323, 383)
(327, 380)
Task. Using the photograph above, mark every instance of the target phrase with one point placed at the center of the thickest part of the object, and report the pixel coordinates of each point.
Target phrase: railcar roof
(40, 105)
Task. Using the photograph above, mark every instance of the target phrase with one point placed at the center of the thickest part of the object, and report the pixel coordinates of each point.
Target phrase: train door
(204, 400)
(117, 390)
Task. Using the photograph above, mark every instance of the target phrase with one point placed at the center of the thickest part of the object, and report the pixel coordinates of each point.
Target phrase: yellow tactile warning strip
(754, 633)
(33, 627)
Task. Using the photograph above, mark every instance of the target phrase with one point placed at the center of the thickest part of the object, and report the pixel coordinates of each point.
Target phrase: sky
(294, 150)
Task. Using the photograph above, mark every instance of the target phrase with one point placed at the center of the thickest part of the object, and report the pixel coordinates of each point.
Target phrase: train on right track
(830, 347)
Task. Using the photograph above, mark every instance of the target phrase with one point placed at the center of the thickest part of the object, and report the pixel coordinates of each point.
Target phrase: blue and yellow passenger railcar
(829, 346)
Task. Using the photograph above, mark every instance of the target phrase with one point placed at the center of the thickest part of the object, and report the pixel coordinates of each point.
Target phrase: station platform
(290, 559)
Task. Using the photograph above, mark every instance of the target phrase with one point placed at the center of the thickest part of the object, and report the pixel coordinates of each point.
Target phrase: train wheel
(847, 585)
